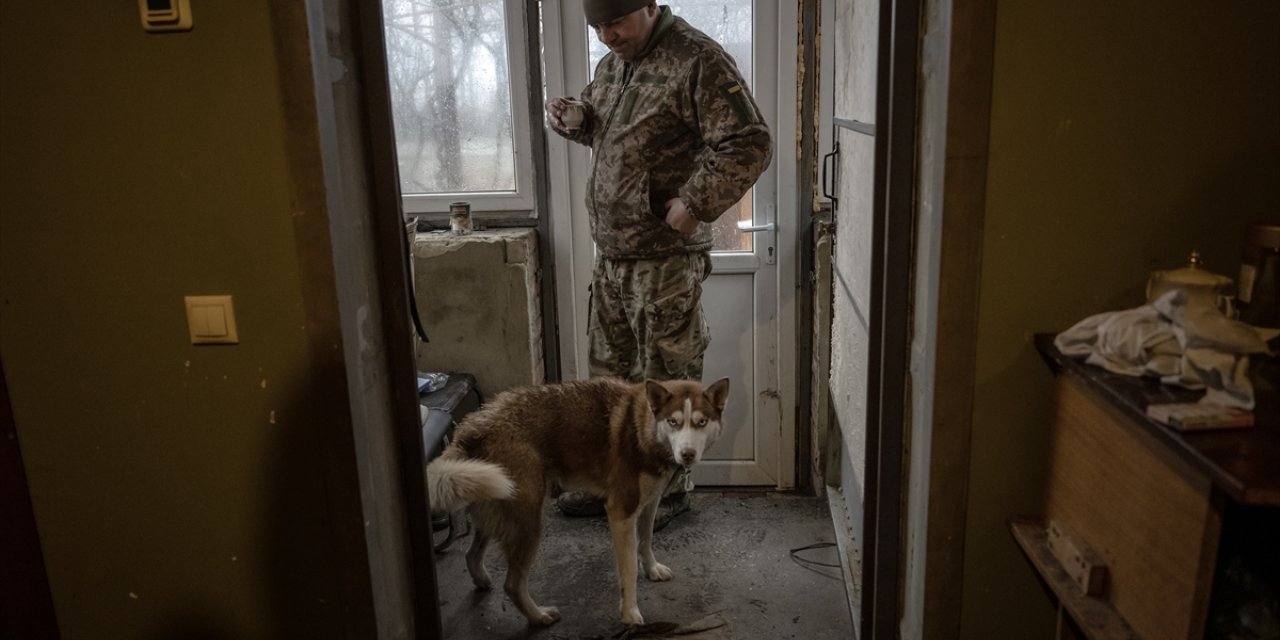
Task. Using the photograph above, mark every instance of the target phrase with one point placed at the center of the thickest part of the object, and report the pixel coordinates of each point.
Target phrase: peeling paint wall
(477, 296)
(820, 366)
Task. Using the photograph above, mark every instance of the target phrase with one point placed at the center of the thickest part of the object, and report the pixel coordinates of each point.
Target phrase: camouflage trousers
(645, 321)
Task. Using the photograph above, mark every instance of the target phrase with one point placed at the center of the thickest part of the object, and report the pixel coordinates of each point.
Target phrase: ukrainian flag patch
(738, 101)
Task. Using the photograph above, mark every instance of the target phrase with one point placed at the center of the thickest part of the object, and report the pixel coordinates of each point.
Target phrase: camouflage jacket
(676, 121)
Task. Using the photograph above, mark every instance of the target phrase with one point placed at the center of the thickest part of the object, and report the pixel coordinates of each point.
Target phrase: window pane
(451, 95)
(729, 23)
(724, 231)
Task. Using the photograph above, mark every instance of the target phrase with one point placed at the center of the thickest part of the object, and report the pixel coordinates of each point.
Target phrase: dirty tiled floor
(730, 554)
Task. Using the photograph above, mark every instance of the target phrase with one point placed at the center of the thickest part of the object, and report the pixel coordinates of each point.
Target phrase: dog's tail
(455, 483)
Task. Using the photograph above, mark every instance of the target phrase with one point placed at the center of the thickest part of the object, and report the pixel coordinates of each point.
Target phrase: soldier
(676, 140)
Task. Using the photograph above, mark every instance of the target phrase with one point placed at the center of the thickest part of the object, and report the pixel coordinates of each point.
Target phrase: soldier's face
(626, 36)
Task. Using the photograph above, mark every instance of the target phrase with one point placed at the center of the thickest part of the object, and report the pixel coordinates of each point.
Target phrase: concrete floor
(730, 555)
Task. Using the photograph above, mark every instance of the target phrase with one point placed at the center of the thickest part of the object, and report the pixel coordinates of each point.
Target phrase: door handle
(771, 252)
(831, 159)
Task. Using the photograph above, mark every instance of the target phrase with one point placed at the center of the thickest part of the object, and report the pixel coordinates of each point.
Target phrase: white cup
(573, 114)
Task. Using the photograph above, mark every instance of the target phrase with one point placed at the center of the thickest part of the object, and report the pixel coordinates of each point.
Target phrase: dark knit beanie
(601, 11)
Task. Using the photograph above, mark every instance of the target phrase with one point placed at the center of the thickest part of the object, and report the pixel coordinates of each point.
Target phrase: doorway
(753, 270)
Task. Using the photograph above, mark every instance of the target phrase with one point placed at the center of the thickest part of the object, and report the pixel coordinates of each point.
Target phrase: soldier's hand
(679, 218)
(555, 109)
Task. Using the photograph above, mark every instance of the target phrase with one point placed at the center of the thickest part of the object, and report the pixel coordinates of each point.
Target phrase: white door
(750, 297)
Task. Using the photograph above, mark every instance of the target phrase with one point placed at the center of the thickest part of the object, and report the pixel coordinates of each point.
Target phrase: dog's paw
(658, 572)
(479, 576)
(632, 616)
(545, 616)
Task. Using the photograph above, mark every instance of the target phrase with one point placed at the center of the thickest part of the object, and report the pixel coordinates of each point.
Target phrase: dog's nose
(688, 456)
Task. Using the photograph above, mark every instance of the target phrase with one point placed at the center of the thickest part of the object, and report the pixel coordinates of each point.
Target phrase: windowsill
(438, 221)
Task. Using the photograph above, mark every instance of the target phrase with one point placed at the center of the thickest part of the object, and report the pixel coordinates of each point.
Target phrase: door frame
(932, 155)
(356, 146)
(897, 104)
(958, 44)
(893, 220)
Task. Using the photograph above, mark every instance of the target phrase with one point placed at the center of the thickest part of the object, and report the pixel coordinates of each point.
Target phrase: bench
(439, 417)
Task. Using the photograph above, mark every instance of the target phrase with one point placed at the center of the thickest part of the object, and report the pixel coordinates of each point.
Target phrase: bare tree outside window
(451, 95)
(729, 23)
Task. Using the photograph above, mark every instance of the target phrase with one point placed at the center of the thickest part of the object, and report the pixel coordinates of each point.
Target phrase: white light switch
(211, 320)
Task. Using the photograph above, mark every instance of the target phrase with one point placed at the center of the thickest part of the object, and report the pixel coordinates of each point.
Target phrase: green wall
(1123, 135)
(179, 491)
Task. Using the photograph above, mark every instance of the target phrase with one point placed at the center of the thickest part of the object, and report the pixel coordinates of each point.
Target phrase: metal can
(460, 217)
(574, 113)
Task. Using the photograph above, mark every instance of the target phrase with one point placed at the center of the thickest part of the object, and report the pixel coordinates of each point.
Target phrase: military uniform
(646, 319)
(675, 121)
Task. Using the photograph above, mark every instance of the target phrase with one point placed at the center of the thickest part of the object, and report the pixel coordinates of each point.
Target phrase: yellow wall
(179, 491)
(1123, 136)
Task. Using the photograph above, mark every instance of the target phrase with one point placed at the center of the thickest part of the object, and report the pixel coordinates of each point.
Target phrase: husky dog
(603, 436)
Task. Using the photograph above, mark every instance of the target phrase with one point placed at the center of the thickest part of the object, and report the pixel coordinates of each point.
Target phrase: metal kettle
(1202, 287)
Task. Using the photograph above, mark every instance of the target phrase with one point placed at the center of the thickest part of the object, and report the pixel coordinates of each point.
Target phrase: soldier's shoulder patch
(738, 100)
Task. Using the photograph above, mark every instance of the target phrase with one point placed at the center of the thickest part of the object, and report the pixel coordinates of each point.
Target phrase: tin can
(574, 113)
(460, 217)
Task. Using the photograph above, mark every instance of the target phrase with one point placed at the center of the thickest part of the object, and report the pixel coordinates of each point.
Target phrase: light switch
(211, 320)
(165, 15)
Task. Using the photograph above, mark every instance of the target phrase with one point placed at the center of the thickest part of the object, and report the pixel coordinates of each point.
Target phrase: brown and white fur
(602, 436)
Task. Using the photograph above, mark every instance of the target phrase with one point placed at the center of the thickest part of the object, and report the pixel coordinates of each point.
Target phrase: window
(459, 102)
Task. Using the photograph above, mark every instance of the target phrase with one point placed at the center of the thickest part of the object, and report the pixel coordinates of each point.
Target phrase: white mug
(573, 115)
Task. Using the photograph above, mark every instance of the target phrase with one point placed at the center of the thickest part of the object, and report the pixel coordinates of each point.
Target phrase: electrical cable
(409, 288)
(813, 564)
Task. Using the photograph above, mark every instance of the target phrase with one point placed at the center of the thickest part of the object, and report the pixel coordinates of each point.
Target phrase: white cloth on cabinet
(1196, 347)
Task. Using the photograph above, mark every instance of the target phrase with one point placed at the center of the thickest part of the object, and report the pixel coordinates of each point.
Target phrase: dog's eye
(673, 422)
(702, 422)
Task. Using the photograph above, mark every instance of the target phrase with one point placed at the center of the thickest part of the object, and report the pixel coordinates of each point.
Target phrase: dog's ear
(658, 395)
(718, 392)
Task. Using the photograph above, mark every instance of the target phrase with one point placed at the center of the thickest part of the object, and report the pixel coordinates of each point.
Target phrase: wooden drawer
(1153, 518)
